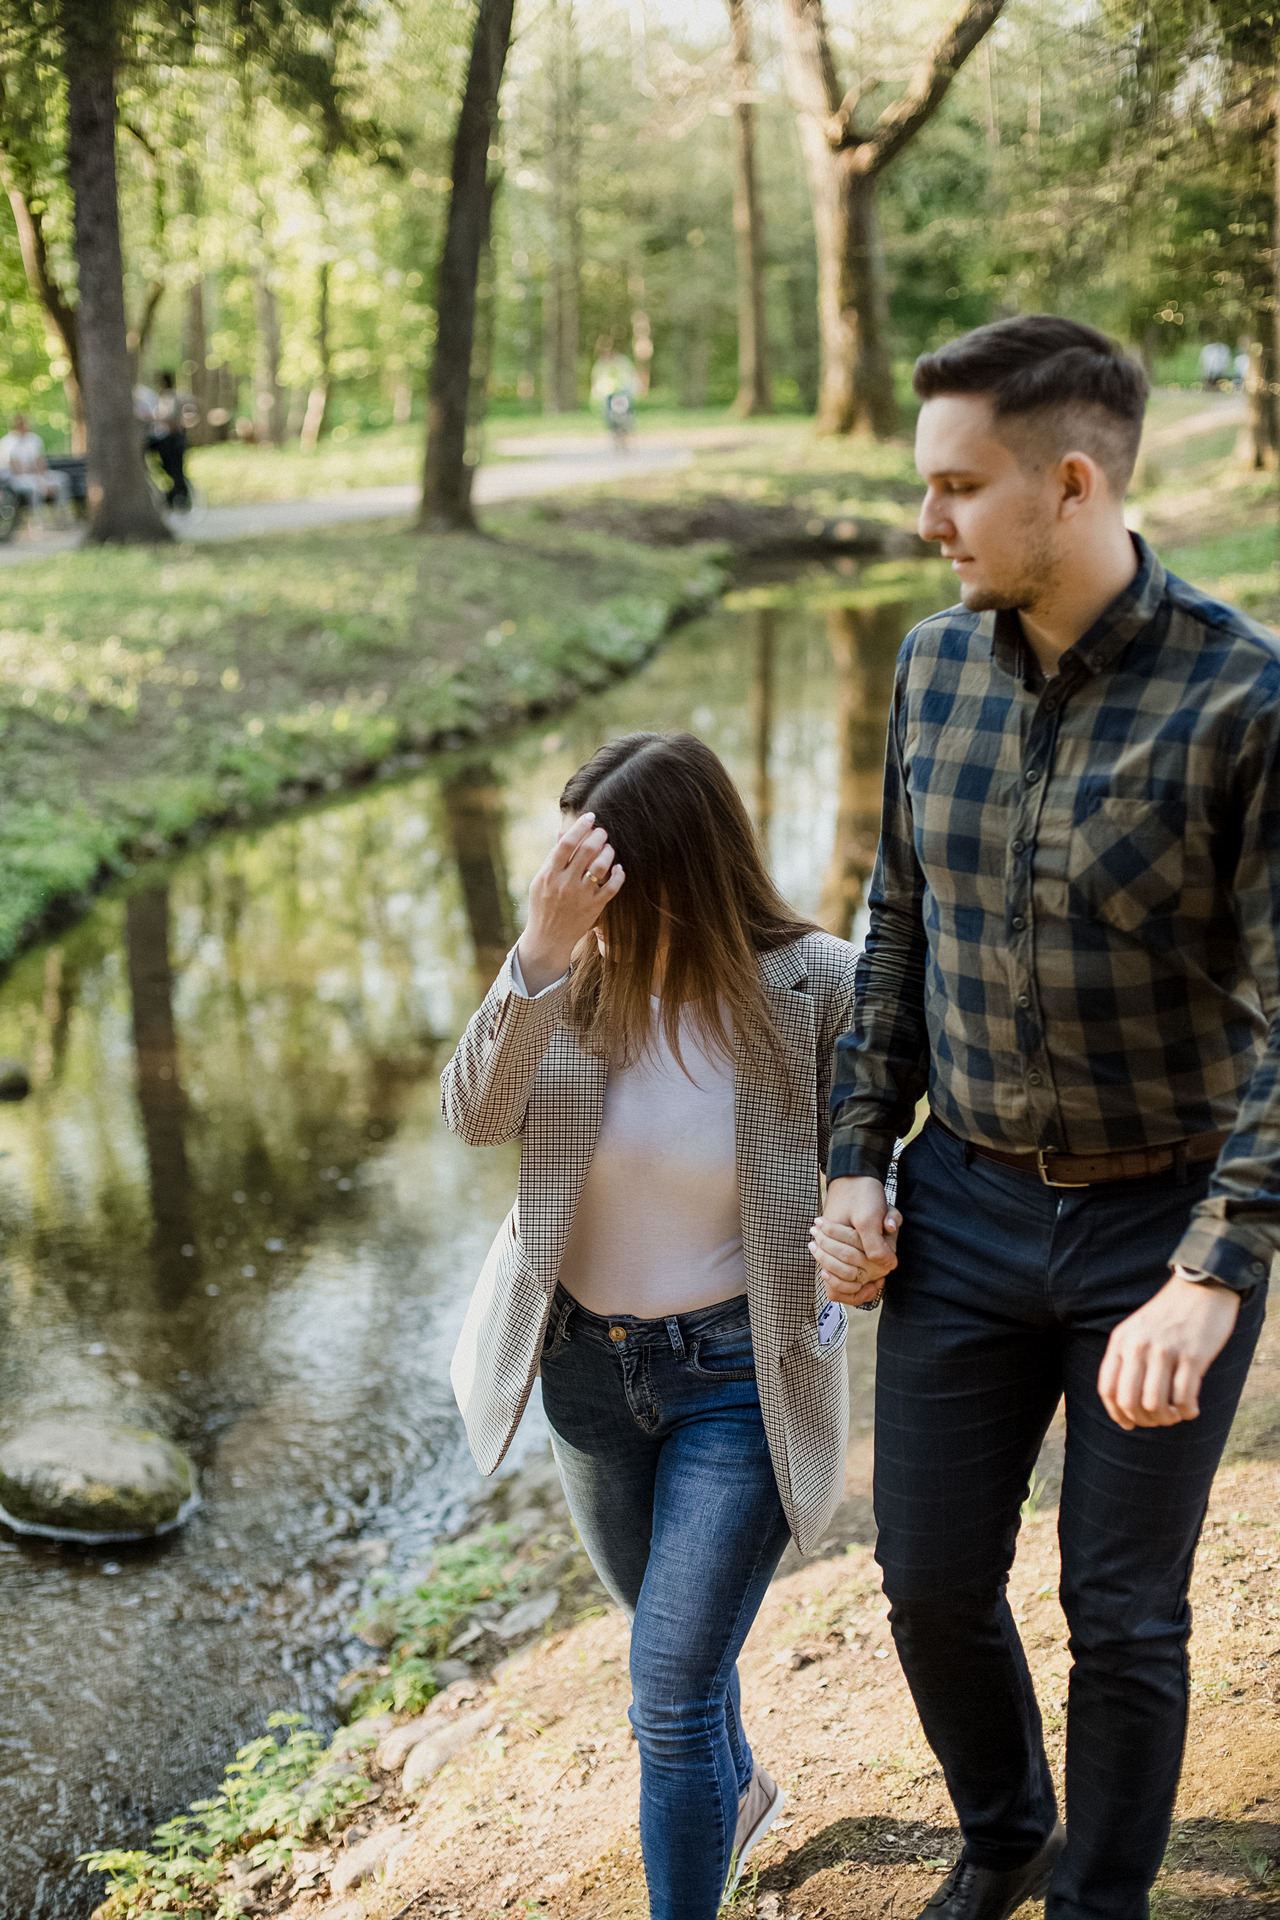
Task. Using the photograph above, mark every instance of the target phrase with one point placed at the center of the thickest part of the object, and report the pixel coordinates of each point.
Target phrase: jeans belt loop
(674, 1334)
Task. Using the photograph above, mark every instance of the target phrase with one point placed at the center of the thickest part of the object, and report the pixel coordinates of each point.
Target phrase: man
(1073, 951)
(24, 464)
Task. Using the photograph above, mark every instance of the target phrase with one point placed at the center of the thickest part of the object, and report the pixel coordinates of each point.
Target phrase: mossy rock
(73, 1480)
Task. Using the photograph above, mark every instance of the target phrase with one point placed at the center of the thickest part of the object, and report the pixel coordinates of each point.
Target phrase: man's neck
(1066, 614)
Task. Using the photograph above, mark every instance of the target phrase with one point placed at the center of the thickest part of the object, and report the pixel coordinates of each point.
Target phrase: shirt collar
(1111, 632)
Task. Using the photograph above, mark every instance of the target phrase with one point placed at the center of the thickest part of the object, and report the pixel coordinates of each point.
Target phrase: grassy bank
(145, 696)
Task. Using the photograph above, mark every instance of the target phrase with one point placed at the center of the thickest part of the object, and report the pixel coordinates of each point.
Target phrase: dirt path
(538, 1815)
(521, 479)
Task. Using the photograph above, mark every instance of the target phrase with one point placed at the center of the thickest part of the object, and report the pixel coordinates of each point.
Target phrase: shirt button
(1019, 846)
(1034, 1078)
(1051, 703)
(1032, 776)
(617, 1333)
(1257, 1268)
(1017, 923)
(1024, 999)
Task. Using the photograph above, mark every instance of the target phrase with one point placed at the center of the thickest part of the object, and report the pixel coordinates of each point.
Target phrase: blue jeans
(657, 1432)
(1002, 1303)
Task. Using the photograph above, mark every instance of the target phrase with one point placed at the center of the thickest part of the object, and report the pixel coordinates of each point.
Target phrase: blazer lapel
(777, 1152)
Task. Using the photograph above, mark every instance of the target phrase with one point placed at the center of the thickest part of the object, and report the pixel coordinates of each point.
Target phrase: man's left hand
(1156, 1359)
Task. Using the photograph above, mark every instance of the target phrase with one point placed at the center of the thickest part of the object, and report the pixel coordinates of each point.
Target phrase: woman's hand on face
(570, 890)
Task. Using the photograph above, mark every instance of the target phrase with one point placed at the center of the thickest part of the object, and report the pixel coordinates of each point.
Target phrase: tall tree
(845, 163)
(446, 481)
(755, 392)
(121, 505)
(562, 300)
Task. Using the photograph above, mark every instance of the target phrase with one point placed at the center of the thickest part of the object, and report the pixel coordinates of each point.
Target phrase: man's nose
(933, 523)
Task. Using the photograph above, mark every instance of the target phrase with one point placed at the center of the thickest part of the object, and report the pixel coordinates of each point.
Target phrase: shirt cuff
(860, 1157)
(517, 979)
(1205, 1249)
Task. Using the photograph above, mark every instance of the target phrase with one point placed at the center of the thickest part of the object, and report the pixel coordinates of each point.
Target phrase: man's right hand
(854, 1240)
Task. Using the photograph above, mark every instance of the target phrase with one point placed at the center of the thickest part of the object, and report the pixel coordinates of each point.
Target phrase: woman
(660, 1039)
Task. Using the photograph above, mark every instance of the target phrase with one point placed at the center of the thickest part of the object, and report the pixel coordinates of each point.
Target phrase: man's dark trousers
(1002, 1303)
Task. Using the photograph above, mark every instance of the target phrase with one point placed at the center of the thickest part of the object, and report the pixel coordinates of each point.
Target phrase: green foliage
(276, 1795)
(418, 1625)
(144, 691)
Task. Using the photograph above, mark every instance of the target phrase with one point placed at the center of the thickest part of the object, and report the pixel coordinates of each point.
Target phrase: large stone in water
(73, 1480)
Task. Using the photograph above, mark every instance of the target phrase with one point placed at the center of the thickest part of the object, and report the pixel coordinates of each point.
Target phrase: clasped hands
(1155, 1360)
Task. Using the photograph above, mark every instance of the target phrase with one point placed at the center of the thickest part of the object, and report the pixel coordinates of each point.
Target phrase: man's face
(996, 523)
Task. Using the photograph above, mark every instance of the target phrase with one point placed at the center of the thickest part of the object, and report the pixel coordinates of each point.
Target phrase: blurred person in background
(613, 388)
(26, 467)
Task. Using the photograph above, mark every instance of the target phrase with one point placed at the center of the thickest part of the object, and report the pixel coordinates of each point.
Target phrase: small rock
(529, 1615)
(395, 1747)
(457, 1694)
(769, 1907)
(71, 1480)
(373, 1726)
(359, 1862)
(793, 1658)
(449, 1671)
(15, 1081)
(438, 1747)
(469, 1635)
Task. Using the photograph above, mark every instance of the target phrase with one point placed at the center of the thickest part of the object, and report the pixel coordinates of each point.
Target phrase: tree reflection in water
(864, 643)
(475, 810)
(161, 1101)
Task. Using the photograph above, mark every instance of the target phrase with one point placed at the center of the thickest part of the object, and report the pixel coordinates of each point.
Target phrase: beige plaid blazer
(518, 1072)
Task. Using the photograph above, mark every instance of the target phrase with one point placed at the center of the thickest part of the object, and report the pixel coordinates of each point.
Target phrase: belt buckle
(1042, 1170)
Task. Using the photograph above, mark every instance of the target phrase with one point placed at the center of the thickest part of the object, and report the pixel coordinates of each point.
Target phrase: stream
(229, 1209)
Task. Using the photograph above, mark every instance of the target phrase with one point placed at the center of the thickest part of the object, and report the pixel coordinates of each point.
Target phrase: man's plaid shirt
(1075, 910)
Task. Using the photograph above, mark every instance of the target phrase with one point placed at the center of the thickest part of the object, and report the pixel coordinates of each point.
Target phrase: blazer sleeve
(484, 1090)
(834, 1016)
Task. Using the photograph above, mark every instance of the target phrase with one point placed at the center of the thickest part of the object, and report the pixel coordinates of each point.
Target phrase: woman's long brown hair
(692, 861)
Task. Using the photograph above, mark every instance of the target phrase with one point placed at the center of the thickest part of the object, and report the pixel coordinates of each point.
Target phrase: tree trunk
(59, 318)
(1256, 443)
(446, 480)
(137, 337)
(268, 400)
(195, 352)
(121, 505)
(755, 394)
(564, 157)
(318, 398)
(843, 165)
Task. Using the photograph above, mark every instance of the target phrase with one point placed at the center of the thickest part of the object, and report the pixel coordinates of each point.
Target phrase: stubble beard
(1033, 580)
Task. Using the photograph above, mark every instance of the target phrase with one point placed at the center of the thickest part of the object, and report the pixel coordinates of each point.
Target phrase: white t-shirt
(21, 452)
(658, 1228)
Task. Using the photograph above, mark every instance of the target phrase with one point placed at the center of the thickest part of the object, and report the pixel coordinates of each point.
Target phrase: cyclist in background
(613, 388)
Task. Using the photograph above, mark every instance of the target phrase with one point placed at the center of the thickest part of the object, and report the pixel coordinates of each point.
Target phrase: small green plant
(1259, 1867)
(417, 1626)
(275, 1795)
(744, 1894)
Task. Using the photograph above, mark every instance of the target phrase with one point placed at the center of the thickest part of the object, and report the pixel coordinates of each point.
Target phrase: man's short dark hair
(1067, 382)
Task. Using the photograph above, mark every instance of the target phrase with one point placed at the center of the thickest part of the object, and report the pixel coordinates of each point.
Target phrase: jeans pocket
(723, 1355)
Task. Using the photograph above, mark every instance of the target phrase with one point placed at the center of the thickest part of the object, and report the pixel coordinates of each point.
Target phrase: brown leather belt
(1090, 1169)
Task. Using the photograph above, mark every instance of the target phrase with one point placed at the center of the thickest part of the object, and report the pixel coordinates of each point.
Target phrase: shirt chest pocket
(1127, 862)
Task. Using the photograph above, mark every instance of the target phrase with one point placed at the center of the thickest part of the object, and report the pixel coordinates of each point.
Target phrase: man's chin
(979, 596)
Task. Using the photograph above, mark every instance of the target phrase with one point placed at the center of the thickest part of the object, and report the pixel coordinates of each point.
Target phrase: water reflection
(864, 644)
(475, 811)
(763, 700)
(160, 1097)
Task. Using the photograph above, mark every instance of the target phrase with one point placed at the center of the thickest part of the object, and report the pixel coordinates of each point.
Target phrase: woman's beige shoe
(758, 1808)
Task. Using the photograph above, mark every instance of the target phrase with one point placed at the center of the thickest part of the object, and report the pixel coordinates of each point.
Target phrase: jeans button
(617, 1334)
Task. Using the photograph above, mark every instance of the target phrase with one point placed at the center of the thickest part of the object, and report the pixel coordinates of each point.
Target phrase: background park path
(543, 465)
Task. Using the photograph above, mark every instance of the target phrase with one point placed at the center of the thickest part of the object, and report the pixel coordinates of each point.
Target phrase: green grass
(1241, 567)
(145, 694)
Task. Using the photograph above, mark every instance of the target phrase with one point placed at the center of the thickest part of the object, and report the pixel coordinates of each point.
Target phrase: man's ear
(1081, 482)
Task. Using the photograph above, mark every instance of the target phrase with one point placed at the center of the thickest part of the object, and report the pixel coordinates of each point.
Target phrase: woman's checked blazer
(519, 1072)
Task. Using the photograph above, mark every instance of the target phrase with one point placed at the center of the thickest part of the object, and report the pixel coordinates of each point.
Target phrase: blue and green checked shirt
(1075, 910)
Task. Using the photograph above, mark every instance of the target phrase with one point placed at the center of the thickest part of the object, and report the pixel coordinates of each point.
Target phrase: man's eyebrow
(950, 473)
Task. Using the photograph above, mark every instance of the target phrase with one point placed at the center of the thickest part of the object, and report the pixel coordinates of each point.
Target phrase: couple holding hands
(1075, 918)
